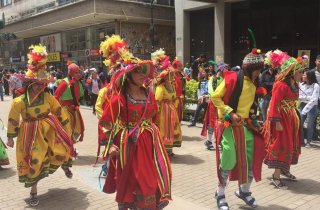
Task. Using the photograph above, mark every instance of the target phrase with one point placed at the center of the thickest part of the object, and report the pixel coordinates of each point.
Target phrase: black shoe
(209, 145)
(192, 125)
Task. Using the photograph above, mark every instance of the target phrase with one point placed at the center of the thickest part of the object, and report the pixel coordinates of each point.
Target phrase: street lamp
(152, 2)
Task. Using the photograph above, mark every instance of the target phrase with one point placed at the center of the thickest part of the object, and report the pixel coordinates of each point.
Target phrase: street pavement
(193, 185)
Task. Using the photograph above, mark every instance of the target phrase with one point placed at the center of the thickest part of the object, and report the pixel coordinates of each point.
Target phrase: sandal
(247, 198)
(34, 201)
(221, 206)
(278, 183)
(161, 205)
(289, 175)
(67, 172)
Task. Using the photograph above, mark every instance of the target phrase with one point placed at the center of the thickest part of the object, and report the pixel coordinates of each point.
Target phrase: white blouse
(309, 94)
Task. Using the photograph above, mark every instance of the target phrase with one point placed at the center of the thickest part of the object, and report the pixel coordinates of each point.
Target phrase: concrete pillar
(219, 31)
(182, 32)
(117, 27)
(227, 41)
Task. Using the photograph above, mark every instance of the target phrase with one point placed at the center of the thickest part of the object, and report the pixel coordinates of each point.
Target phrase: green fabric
(67, 93)
(228, 155)
(210, 86)
(3, 153)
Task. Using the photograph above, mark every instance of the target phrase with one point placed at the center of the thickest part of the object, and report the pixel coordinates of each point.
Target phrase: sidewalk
(193, 185)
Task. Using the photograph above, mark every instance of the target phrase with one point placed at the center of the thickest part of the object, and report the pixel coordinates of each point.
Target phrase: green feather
(253, 38)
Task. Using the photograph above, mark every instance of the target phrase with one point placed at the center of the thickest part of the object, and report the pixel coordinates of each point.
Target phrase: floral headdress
(116, 52)
(286, 64)
(163, 64)
(37, 59)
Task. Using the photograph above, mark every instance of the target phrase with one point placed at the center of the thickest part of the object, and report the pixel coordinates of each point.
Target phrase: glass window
(76, 40)
(5, 3)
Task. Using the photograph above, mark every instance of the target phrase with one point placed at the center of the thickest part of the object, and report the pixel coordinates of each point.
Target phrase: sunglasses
(141, 70)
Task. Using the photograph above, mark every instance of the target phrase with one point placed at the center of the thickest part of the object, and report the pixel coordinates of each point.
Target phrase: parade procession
(151, 105)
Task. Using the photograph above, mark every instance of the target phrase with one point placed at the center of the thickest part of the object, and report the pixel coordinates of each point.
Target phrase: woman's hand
(278, 126)
(10, 142)
(235, 118)
(113, 150)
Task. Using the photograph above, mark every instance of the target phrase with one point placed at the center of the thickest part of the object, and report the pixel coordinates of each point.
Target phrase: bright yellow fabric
(245, 101)
(47, 153)
(167, 104)
(74, 127)
(102, 98)
(36, 111)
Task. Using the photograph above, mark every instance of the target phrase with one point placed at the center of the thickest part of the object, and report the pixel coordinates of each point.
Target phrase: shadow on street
(186, 159)
(191, 138)
(7, 172)
(62, 196)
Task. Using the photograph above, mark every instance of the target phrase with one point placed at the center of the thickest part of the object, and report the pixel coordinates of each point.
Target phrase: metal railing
(156, 2)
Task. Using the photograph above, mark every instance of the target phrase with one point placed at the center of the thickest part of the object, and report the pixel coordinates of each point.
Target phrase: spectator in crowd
(94, 86)
(52, 86)
(266, 80)
(59, 74)
(187, 70)
(15, 82)
(317, 68)
(317, 72)
(308, 95)
(202, 94)
(196, 65)
(1, 86)
(102, 75)
(6, 86)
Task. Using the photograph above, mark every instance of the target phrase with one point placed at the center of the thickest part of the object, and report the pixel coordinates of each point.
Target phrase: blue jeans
(1, 91)
(200, 106)
(263, 105)
(311, 116)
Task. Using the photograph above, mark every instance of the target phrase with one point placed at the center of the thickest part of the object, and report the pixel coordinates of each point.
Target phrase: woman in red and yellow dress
(139, 168)
(179, 84)
(43, 144)
(168, 121)
(283, 129)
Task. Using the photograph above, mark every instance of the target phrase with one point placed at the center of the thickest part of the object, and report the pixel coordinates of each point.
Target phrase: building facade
(73, 29)
(219, 28)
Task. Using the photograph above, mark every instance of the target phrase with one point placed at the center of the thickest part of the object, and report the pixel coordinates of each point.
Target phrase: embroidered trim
(134, 101)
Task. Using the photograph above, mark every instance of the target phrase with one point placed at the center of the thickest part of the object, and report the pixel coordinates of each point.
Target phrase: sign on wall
(52, 42)
(53, 57)
(305, 52)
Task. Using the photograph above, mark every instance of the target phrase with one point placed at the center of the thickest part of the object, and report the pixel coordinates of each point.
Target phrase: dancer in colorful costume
(167, 100)
(43, 144)
(179, 84)
(211, 112)
(139, 168)
(282, 128)
(236, 133)
(68, 93)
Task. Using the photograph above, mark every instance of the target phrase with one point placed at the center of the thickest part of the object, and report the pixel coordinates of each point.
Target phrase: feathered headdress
(37, 59)
(289, 65)
(275, 58)
(116, 52)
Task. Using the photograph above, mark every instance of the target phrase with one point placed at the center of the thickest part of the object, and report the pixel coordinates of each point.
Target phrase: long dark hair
(311, 76)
